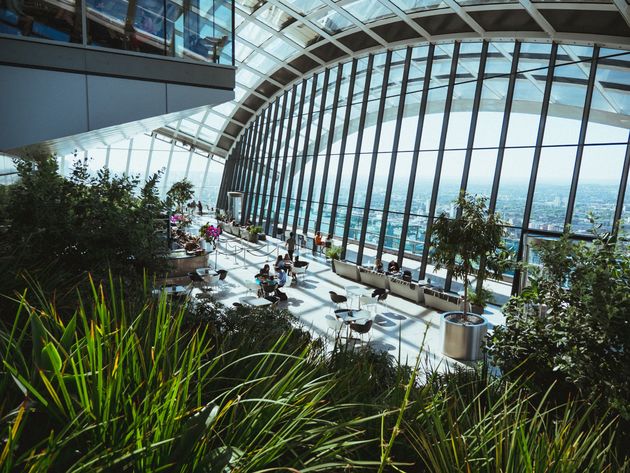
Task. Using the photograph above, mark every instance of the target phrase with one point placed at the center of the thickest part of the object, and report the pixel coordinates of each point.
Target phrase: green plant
(582, 341)
(481, 297)
(334, 252)
(255, 230)
(471, 243)
(179, 193)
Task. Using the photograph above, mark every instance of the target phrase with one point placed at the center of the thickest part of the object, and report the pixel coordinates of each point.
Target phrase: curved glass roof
(280, 41)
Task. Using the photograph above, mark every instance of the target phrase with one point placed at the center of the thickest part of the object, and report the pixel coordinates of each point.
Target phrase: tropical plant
(481, 297)
(471, 243)
(334, 252)
(581, 342)
(179, 193)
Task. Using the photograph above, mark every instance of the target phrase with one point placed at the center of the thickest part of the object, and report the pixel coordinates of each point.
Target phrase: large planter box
(181, 264)
(346, 270)
(373, 278)
(441, 300)
(405, 289)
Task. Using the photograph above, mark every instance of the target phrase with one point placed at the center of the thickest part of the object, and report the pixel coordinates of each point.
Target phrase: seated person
(319, 241)
(299, 264)
(265, 271)
(393, 267)
(282, 277)
(378, 265)
(329, 240)
(279, 263)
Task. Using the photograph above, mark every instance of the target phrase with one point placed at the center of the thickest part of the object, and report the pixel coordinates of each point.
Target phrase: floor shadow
(378, 345)
(293, 302)
(392, 315)
(383, 322)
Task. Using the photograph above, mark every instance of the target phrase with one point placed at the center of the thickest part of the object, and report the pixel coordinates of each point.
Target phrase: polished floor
(399, 327)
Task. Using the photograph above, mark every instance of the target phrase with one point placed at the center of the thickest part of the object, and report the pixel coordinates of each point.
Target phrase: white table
(357, 292)
(255, 301)
(205, 271)
(170, 291)
(353, 316)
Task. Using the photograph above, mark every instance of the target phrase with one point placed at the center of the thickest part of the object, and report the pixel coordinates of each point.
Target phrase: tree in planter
(179, 193)
(334, 252)
(471, 244)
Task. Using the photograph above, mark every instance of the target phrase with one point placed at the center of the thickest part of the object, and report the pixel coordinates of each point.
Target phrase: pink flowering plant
(180, 219)
(210, 233)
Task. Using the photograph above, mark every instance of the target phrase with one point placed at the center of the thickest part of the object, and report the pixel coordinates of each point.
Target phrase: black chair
(222, 274)
(338, 299)
(197, 281)
(380, 295)
(268, 290)
(361, 329)
(406, 276)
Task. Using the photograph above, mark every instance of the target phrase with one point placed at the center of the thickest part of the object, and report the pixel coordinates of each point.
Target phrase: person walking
(290, 243)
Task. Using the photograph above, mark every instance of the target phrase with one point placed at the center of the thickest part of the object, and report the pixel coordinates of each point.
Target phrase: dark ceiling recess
(443, 24)
(232, 129)
(225, 143)
(284, 76)
(328, 52)
(593, 22)
(254, 102)
(304, 63)
(358, 41)
(242, 115)
(267, 89)
(511, 20)
(397, 31)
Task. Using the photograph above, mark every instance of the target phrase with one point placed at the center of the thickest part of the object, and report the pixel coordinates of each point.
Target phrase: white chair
(335, 324)
(212, 280)
(252, 286)
(299, 270)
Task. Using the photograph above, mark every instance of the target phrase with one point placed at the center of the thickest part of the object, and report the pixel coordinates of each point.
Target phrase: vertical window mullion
(261, 166)
(622, 190)
(582, 137)
(298, 125)
(342, 149)
(269, 153)
(535, 161)
(284, 162)
(307, 136)
(392, 165)
(357, 152)
(416, 153)
(318, 136)
(331, 137)
(440, 159)
(256, 157)
(377, 137)
(276, 160)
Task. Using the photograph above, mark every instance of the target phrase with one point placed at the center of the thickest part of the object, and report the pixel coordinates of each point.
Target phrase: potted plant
(479, 299)
(209, 235)
(334, 253)
(258, 230)
(179, 193)
(253, 232)
(469, 245)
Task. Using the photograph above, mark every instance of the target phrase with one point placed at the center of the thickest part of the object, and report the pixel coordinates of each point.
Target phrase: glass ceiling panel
(280, 48)
(368, 10)
(301, 34)
(208, 135)
(415, 5)
(305, 6)
(242, 51)
(275, 17)
(190, 128)
(247, 78)
(261, 63)
(333, 22)
(253, 34)
(483, 2)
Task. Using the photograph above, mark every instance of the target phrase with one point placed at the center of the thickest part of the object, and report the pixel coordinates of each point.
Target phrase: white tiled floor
(398, 328)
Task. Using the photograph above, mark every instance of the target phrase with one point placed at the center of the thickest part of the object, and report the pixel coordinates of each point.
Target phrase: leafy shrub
(60, 228)
(582, 343)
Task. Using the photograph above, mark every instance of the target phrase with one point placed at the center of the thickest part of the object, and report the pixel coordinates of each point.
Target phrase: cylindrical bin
(462, 341)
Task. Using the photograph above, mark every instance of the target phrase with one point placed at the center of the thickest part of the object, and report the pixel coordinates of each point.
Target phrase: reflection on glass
(57, 21)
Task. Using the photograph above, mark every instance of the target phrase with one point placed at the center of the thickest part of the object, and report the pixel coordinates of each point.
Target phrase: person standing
(290, 243)
(200, 207)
